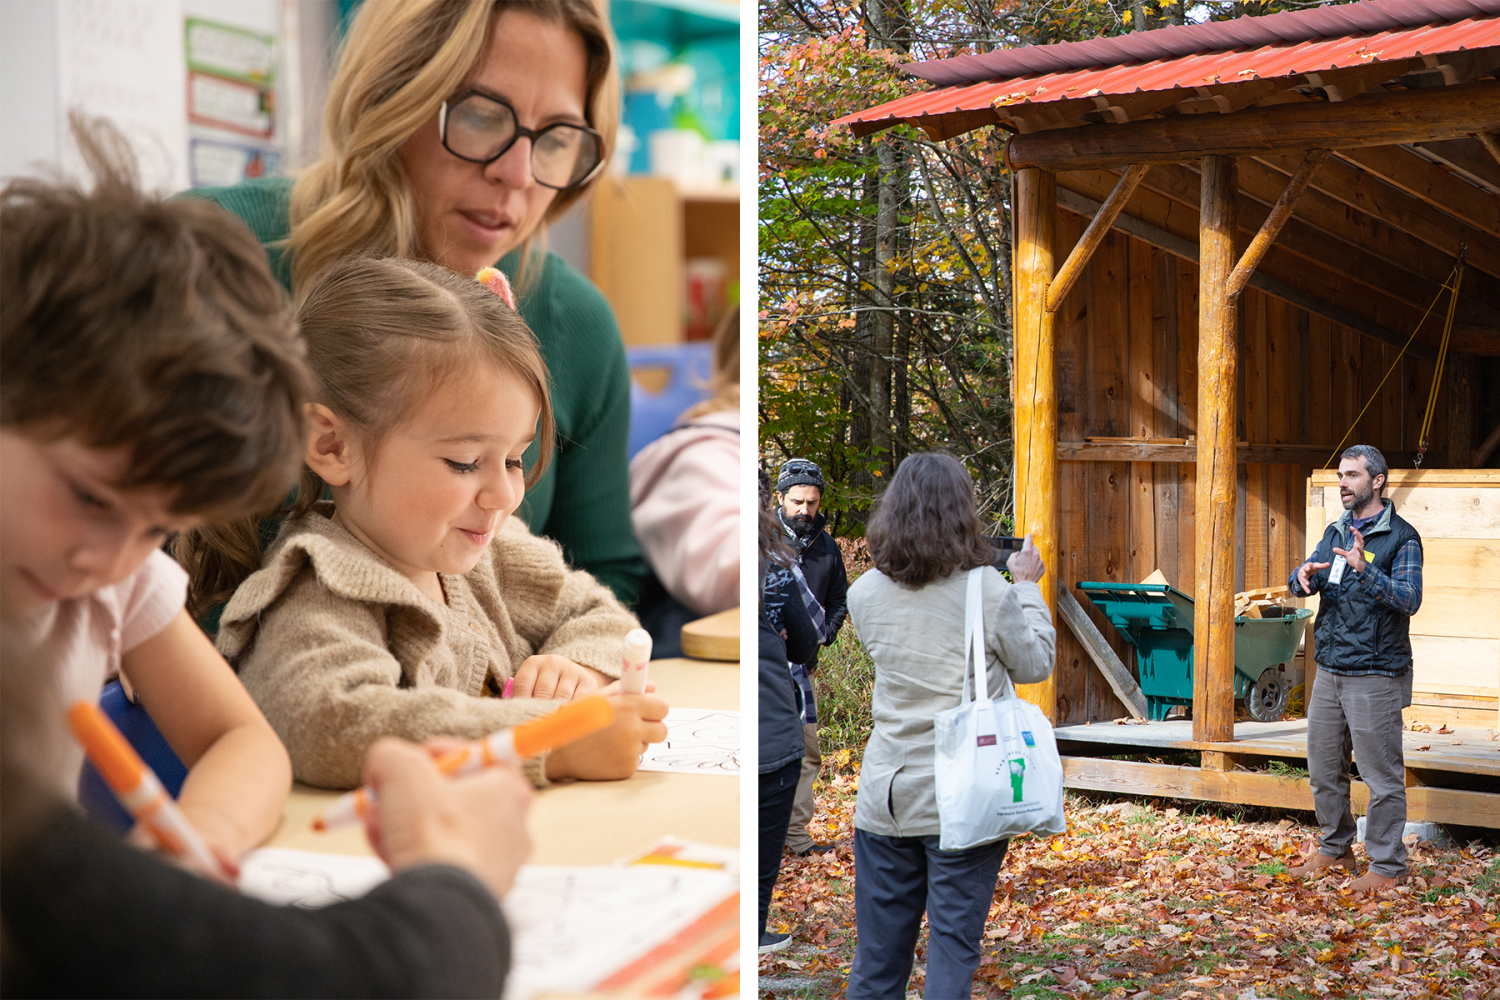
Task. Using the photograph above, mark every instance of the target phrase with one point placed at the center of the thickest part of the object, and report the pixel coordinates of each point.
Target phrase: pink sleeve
(150, 598)
(688, 525)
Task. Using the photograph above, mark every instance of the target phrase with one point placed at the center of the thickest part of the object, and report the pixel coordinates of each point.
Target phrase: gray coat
(915, 636)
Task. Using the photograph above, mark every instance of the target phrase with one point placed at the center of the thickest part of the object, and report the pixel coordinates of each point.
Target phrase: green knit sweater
(583, 499)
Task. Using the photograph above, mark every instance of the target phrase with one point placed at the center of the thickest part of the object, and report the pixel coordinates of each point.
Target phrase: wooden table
(592, 822)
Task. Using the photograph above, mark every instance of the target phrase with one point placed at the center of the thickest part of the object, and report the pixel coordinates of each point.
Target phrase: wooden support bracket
(1068, 274)
(1218, 760)
(1269, 229)
(1491, 143)
(1099, 650)
(1490, 444)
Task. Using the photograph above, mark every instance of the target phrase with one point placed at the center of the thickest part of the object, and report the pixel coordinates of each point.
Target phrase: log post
(1213, 611)
(1034, 214)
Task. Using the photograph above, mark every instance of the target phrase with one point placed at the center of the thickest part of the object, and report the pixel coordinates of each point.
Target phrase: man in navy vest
(1368, 570)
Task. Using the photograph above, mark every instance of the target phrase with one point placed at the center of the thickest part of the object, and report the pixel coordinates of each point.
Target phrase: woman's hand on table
(477, 822)
(1026, 566)
(615, 752)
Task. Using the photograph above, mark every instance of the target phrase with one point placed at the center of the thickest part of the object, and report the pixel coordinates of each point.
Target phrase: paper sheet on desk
(699, 741)
(571, 927)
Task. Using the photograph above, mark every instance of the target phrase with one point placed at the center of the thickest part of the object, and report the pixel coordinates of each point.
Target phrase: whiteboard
(123, 60)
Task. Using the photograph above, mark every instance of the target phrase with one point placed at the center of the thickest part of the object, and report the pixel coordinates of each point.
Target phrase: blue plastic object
(688, 367)
(140, 732)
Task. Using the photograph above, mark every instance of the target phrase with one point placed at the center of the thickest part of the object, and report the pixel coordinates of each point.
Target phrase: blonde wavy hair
(401, 60)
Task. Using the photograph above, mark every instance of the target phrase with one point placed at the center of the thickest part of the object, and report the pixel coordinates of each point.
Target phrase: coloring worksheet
(572, 926)
(699, 741)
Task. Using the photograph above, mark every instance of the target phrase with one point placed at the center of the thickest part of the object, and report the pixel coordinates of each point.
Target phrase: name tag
(987, 740)
(1336, 571)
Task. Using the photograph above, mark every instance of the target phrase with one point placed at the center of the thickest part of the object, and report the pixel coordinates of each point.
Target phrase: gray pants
(1361, 713)
(797, 837)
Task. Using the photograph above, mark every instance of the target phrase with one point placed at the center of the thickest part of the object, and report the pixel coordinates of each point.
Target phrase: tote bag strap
(974, 634)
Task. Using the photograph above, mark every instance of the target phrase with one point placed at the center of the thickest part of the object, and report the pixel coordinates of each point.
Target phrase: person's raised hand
(1354, 555)
(614, 752)
(1305, 572)
(548, 675)
(1026, 566)
(421, 817)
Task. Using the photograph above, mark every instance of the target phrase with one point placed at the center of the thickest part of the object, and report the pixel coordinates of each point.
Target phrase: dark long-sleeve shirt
(1400, 589)
(86, 915)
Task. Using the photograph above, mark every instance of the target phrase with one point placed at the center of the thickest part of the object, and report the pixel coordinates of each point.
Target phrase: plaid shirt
(1400, 590)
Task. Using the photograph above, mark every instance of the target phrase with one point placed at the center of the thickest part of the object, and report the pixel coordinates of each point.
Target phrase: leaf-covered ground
(1141, 900)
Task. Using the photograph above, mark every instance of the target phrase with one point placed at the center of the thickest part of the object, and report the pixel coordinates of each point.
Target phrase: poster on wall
(123, 60)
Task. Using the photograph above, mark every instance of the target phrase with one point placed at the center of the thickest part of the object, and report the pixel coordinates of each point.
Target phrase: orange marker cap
(116, 759)
(573, 721)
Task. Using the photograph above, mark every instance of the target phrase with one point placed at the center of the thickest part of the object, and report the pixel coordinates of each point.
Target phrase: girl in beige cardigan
(394, 609)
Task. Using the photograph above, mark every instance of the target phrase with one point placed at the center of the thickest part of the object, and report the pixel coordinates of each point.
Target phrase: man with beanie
(799, 493)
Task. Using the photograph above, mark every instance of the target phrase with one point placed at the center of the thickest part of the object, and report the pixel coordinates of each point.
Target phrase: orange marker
(573, 721)
(137, 788)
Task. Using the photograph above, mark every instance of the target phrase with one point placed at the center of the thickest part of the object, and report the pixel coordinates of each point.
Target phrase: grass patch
(844, 683)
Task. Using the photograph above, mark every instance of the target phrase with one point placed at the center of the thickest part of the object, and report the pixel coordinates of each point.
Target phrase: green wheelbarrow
(1157, 620)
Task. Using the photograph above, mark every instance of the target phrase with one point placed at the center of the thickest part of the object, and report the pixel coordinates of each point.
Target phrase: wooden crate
(1455, 637)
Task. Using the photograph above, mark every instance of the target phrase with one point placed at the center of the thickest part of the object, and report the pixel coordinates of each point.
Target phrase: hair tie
(495, 280)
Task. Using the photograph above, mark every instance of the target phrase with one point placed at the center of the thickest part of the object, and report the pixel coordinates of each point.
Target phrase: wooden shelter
(1225, 235)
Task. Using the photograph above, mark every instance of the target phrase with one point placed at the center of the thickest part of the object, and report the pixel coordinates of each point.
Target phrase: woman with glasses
(455, 132)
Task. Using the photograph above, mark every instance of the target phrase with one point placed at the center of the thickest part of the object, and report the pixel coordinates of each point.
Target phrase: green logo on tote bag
(1017, 775)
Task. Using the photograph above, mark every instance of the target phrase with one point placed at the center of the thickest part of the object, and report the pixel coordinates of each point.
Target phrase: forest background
(885, 272)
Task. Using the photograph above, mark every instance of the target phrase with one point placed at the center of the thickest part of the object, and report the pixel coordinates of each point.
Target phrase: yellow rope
(1437, 375)
(1454, 275)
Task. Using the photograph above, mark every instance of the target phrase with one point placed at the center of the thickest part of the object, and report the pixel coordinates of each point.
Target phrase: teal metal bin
(1157, 620)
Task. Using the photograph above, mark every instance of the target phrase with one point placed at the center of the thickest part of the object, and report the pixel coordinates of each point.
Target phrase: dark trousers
(895, 879)
(777, 789)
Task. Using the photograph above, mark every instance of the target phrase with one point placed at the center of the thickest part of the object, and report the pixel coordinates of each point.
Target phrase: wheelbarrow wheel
(1267, 700)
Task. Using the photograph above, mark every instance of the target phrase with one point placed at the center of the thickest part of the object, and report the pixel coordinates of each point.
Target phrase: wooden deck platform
(1451, 777)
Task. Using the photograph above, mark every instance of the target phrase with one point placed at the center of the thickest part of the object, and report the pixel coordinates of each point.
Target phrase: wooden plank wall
(1127, 349)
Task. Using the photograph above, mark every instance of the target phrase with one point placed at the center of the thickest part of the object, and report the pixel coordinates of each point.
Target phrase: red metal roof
(1192, 56)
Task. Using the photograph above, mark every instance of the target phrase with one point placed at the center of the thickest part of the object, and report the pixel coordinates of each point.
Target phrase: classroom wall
(1127, 368)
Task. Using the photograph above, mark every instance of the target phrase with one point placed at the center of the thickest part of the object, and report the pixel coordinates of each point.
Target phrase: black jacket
(823, 565)
(780, 713)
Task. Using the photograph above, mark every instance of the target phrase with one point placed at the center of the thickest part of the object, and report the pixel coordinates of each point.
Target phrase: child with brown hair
(685, 491)
(393, 609)
(151, 378)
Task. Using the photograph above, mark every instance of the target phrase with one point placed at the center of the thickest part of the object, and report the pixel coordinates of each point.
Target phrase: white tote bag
(996, 765)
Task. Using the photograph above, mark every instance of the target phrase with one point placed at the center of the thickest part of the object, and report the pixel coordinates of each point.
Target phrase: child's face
(441, 484)
(66, 529)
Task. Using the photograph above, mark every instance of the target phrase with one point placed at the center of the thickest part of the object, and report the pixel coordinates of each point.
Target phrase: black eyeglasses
(480, 128)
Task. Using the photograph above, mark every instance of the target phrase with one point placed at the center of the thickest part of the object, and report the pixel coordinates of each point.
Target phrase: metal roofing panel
(1207, 68)
(1182, 40)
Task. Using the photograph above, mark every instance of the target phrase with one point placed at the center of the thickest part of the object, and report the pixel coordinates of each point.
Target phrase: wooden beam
(1419, 177)
(1467, 156)
(1069, 273)
(1186, 249)
(1489, 142)
(1269, 229)
(1151, 451)
(1100, 651)
(1483, 452)
(1034, 390)
(1216, 495)
(1350, 187)
(1326, 234)
(1374, 120)
(1424, 803)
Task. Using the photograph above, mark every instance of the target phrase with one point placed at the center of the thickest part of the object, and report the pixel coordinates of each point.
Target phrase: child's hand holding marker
(613, 753)
(141, 792)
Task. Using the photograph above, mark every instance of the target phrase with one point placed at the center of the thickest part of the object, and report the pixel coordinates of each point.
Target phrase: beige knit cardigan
(338, 648)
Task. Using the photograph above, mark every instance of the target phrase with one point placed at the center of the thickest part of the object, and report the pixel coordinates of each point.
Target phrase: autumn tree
(884, 260)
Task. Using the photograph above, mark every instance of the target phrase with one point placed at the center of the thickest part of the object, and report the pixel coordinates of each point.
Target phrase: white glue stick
(637, 655)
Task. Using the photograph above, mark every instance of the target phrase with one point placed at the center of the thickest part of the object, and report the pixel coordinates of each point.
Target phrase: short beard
(1358, 500)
